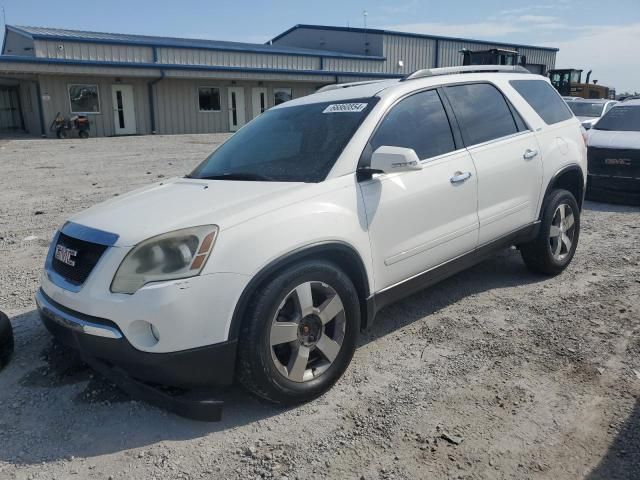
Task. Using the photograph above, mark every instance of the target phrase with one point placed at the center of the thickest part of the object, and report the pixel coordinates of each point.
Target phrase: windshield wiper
(238, 176)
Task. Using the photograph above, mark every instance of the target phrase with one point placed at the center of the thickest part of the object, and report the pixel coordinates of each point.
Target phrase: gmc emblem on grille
(618, 161)
(66, 255)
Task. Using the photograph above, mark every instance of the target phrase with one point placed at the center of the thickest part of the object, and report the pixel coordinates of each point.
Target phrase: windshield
(586, 109)
(624, 119)
(289, 144)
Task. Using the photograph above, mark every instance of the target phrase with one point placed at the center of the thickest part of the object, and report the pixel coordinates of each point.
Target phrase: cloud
(537, 18)
(561, 5)
(504, 23)
(480, 29)
(609, 50)
(397, 8)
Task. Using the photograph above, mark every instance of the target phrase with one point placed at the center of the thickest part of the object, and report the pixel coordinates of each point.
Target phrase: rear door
(506, 158)
(421, 219)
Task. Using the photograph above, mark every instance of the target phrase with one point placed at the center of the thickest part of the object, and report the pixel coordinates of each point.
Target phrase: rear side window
(482, 112)
(543, 99)
(417, 122)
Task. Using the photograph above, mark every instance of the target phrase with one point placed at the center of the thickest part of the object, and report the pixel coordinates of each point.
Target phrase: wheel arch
(569, 177)
(342, 254)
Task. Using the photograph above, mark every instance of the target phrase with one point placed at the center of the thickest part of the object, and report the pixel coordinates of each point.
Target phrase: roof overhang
(35, 65)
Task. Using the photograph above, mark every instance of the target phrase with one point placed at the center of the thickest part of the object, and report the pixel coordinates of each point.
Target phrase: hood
(613, 139)
(591, 120)
(181, 203)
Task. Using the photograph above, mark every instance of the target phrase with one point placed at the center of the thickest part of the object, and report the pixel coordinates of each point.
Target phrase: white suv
(267, 260)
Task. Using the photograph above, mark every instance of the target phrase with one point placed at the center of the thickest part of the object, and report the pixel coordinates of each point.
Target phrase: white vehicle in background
(614, 155)
(266, 261)
(589, 111)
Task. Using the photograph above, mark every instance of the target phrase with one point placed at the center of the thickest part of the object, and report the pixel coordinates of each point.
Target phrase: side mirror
(395, 159)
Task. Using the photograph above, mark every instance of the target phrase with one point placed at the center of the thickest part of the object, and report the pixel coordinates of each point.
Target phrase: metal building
(134, 84)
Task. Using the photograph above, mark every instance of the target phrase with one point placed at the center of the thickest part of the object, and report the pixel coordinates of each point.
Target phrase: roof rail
(432, 72)
(335, 86)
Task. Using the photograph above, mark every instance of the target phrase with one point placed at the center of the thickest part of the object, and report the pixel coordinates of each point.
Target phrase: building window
(209, 99)
(84, 98)
(281, 95)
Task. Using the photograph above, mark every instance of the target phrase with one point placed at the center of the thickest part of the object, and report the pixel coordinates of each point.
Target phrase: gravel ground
(494, 373)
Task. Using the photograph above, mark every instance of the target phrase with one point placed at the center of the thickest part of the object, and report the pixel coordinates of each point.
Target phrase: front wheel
(300, 333)
(552, 250)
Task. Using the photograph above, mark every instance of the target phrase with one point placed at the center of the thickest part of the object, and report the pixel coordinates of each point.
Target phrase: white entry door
(236, 108)
(123, 110)
(258, 100)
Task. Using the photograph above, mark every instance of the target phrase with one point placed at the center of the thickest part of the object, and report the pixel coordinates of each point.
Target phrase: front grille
(615, 162)
(85, 258)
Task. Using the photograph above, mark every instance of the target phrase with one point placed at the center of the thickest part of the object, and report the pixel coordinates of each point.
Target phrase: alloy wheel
(307, 331)
(562, 232)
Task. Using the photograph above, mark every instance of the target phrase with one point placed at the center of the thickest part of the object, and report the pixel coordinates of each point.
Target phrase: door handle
(529, 154)
(460, 177)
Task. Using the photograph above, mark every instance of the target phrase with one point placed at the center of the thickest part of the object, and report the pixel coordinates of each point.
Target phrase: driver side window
(419, 122)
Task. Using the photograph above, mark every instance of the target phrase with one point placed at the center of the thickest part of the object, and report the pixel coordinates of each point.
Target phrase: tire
(299, 339)
(62, 133)
(6, 340)
(83, 134)
(549, 253)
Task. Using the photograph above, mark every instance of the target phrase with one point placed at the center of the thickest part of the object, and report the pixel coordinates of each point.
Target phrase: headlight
(170, 256)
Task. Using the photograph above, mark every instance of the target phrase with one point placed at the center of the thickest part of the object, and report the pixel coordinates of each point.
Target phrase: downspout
(150, 85)
(437, 55)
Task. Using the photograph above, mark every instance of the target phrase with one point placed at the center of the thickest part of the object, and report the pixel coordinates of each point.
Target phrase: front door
(236, 108)
(419, 220)
(258, 100)
(123, 110)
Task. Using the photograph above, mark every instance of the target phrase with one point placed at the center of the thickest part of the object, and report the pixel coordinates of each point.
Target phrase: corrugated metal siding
(415, 53)
(68, 50)
(177, 109)
(56, 88)
(344, 65)
(15, 44)
(540, 57)
(182, 56)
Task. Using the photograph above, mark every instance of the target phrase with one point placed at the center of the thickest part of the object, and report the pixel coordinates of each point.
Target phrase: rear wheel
(300, 333)
(552, 250)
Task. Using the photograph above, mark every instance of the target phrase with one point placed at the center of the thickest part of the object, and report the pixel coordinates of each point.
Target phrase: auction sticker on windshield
(345, 107)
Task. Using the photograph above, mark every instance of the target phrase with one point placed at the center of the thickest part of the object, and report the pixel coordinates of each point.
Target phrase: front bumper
(103, 346)
(613, 189)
